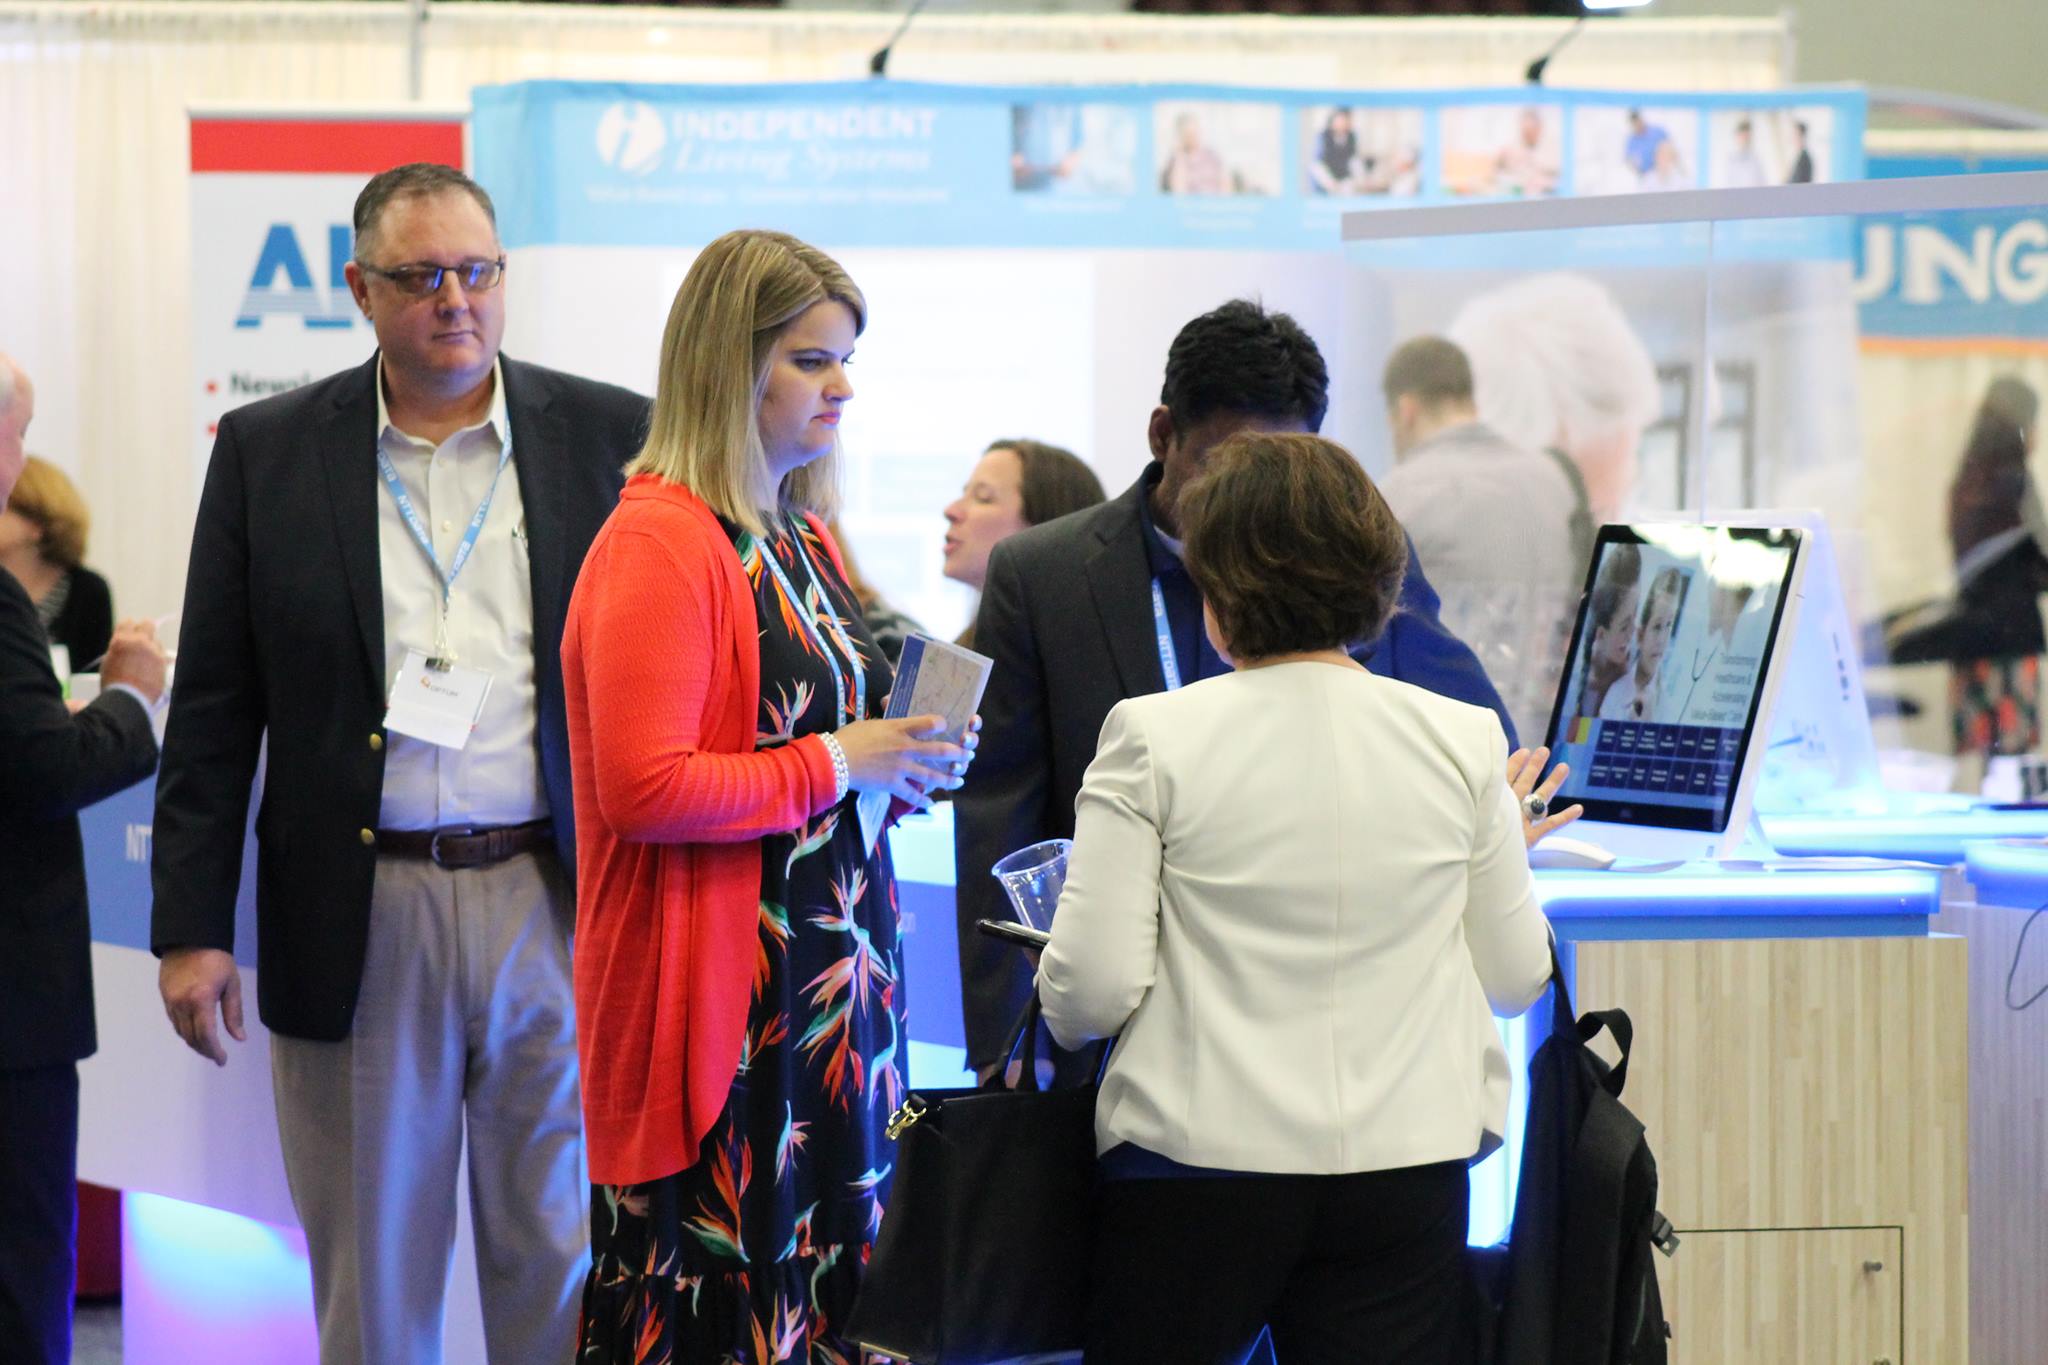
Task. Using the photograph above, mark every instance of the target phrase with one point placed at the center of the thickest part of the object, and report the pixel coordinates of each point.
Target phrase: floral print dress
(753, 1255)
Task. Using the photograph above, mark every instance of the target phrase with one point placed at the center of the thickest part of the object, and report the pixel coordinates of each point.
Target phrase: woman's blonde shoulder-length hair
(742, 291)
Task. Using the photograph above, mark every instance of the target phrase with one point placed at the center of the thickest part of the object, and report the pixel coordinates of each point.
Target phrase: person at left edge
(413, 901)
(52, 765)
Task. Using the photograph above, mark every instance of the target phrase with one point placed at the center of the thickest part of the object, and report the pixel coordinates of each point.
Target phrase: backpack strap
(1622, 1030)
(1579, 529)
(1564, 1023)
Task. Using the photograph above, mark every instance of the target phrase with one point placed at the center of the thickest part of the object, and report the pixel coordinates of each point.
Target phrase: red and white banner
(272, 197)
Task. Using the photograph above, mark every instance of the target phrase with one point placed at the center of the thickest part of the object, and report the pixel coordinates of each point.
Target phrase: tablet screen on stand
(1665, 700)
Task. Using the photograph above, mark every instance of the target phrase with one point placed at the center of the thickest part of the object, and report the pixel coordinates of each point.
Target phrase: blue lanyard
(1169, 662)
(839, 635)
(419, 530)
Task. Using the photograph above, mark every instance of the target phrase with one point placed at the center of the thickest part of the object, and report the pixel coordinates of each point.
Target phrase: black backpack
(1577, 1285)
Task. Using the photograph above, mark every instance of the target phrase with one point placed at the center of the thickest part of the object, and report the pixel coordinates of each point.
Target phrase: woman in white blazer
(1299, 893)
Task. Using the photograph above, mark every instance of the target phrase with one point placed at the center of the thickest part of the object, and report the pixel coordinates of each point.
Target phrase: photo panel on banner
(1503, 150)
(1748, 148)
(1217, 147)
(1647, 147)
(1063, 148)
(1362, 151)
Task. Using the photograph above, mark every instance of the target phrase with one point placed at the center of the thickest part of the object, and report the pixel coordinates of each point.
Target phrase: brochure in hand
(934, 677)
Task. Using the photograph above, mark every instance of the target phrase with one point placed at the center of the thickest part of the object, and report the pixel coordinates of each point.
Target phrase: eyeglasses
(475, 277)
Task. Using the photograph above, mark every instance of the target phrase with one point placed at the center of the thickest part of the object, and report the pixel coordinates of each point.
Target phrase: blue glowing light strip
(1698, 893)
(2008, 873)
(1723, 904)
(1930, 836)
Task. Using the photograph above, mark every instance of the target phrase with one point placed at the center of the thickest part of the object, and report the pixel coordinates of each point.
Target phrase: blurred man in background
(1493, 524)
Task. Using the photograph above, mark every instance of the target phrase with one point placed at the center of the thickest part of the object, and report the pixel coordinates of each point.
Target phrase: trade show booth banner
(907, 164)
(1029, 252)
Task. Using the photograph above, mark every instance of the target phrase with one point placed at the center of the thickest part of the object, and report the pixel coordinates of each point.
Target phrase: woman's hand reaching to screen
(1524, 766)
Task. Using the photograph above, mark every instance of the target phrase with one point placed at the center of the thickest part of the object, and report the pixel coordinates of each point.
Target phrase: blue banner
(889, 163)
(1955, 276)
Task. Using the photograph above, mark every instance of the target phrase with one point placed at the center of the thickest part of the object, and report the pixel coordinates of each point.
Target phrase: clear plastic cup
(1033, 877)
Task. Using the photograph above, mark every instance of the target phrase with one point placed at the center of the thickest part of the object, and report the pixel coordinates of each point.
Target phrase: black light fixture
(1587, 9)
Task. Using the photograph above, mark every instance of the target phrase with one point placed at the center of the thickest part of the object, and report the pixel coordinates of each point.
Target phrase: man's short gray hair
(415, 180)
(1428, 368)
(8, 370)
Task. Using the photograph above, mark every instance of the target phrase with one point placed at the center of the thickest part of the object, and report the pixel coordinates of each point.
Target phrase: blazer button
(369, 838)
(376, 742)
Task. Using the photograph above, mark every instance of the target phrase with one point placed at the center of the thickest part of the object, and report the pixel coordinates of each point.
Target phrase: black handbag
(983, 1254)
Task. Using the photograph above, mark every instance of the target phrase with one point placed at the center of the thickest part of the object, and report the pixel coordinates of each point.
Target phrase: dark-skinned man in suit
(1094, 607)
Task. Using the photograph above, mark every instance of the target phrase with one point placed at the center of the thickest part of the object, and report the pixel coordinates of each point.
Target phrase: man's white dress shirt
(495, 779)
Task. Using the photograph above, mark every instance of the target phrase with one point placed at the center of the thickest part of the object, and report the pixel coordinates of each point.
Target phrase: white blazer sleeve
(1504, 927)
(1105, 934)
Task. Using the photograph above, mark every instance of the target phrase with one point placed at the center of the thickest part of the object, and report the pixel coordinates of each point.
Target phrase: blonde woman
(42, 543)
(739, 993)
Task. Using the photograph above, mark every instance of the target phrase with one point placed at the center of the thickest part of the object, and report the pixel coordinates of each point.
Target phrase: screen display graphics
(1658, 706)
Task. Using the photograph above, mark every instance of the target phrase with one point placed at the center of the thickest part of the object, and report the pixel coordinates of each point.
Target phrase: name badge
(435, 701)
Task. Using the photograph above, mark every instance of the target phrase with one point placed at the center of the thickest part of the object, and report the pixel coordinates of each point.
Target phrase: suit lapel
(1120, 581)
(348, 457)
(538, 438)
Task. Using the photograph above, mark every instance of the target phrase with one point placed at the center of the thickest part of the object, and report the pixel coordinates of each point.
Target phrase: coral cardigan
(661, 664)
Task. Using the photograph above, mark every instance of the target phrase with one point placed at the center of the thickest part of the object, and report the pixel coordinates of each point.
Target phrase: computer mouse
(1559, 851)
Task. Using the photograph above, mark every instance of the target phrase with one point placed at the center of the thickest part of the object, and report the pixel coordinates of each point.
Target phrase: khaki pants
(465, 1022)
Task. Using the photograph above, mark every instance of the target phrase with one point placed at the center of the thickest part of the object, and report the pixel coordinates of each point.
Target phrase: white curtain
(94, 222)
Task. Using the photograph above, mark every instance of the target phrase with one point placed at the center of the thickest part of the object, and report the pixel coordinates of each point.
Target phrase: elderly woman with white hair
(1557, 366)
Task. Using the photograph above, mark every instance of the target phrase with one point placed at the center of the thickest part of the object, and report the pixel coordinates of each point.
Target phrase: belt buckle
(452, 832)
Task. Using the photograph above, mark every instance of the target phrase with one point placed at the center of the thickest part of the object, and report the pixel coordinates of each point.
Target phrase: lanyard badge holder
(431, 698)
(838, 632)
(1169, 661)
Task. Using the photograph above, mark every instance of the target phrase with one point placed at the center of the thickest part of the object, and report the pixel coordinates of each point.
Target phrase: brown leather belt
(459, 846)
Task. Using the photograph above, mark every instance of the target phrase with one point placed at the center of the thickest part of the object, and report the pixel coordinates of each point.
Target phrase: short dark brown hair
(1432, 369)
(414, 180)
(1292, 546)
(1056, 481)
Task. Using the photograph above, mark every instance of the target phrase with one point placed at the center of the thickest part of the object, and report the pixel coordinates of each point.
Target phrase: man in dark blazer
(53, 763)
(1094, 607)
(399, 536)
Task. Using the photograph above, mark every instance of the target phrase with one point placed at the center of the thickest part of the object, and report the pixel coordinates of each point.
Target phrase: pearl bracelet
(840, 777)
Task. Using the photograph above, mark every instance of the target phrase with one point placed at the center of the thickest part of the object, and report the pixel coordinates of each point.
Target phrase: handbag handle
(1023, 1033)
(1022, 1046)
